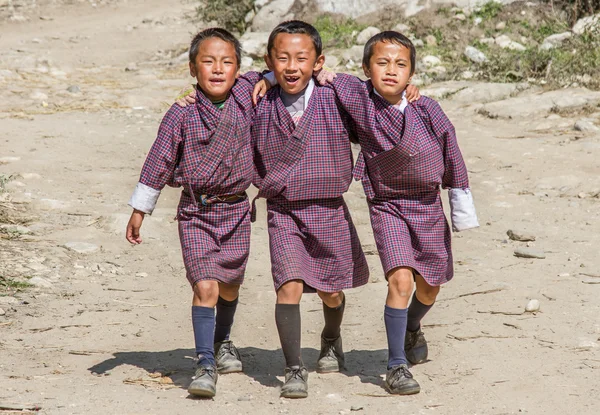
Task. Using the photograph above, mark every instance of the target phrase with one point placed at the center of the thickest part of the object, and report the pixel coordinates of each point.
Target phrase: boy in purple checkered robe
(408, 151)
(206, 149)
(302, 154)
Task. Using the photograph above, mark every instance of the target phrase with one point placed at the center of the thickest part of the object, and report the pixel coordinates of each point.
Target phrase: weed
(228, 14)
(337, 32)
(13, 285)
(488, 11)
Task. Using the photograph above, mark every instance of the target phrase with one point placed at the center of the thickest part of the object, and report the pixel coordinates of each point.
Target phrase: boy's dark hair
(218, 33)
(296, 27)
(392, 37)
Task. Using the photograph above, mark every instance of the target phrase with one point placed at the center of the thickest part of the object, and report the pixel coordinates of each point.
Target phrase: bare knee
(290, 292)
(331, 300)
(400, 282)
(206, 293)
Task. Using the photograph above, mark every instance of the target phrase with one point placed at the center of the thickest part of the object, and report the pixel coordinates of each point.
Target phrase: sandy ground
(109, 331)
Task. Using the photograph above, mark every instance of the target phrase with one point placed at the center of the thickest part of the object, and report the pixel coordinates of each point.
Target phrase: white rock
(475, 55)
(2, 312)
(332, 61)
(81, 247)
(366, 34)
(431, 40)
(587, 23)
(271, 14)
(254, 44)
(555, 40)
(418, 43)
(40, 282)
(477, 21)
(38, 96)
(506, 43)
(467, 75)
(460, 16)
(141, 274)
(487, 40)
(354, 53)
(9, 159)
(74, 89)
(501, 26)
(247, 62)
(402, 28)
(586, 125)
(431, 61)
(532, 306)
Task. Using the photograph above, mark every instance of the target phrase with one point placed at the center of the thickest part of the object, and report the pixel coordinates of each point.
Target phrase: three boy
(300, 138)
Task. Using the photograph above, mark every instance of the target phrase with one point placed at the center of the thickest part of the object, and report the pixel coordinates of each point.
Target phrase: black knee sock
(333, 320)
(224, 321)
(416, 312)
(287, 318)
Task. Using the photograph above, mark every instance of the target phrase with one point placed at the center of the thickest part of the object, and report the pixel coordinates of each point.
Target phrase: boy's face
(293, 59)
(389, 70)
(215, 68)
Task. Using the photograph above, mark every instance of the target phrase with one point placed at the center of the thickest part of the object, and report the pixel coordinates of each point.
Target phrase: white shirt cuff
(270, 78)
(462, 210)
(144, 198)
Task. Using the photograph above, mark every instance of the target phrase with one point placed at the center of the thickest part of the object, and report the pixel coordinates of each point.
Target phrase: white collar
(401, 105)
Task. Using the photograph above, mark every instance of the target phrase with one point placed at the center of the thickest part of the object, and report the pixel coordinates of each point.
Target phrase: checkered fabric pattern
(407, 158)
(215, 240)
(303, 171)
(315, 241)
(413, 232)
(208, 151)
(411, 153)
(312, 160)
(203, 148)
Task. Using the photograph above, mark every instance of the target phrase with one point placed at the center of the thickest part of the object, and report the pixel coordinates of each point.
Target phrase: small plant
(337, 32)
(488, 11)
(3, 180)
(230, 14)
(10, 284)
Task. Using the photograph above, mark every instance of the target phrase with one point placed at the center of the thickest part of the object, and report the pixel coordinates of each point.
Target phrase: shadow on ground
(260, 364)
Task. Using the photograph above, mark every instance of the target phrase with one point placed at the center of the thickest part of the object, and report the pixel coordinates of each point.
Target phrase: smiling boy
(408, 152)
(301, 141)
(205, 149)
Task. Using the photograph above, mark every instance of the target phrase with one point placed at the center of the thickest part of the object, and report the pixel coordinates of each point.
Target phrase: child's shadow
(264, 365)
(176, 364)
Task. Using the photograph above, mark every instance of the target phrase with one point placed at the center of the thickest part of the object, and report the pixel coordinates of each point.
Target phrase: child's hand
(325, 76)
(412, 93)
(260, 89)
(186, 97)
(133, 227)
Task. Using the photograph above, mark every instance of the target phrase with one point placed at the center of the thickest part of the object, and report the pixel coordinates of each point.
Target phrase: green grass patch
(337, 32)
(10, 284)
(488, 11)
(227, 13)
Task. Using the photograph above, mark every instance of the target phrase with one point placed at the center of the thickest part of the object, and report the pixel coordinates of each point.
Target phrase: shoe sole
(408, 391)
(230, 368)
(294, 395)
(202, 393)
(329, 368)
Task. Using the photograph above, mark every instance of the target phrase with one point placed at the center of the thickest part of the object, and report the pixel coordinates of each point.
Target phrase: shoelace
(401, 371)
(227, 348)
(296, 374)
(204, 371)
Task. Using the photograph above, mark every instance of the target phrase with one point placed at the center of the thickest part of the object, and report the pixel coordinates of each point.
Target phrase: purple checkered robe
(303, 171)
(208, 151)
(405, 159)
